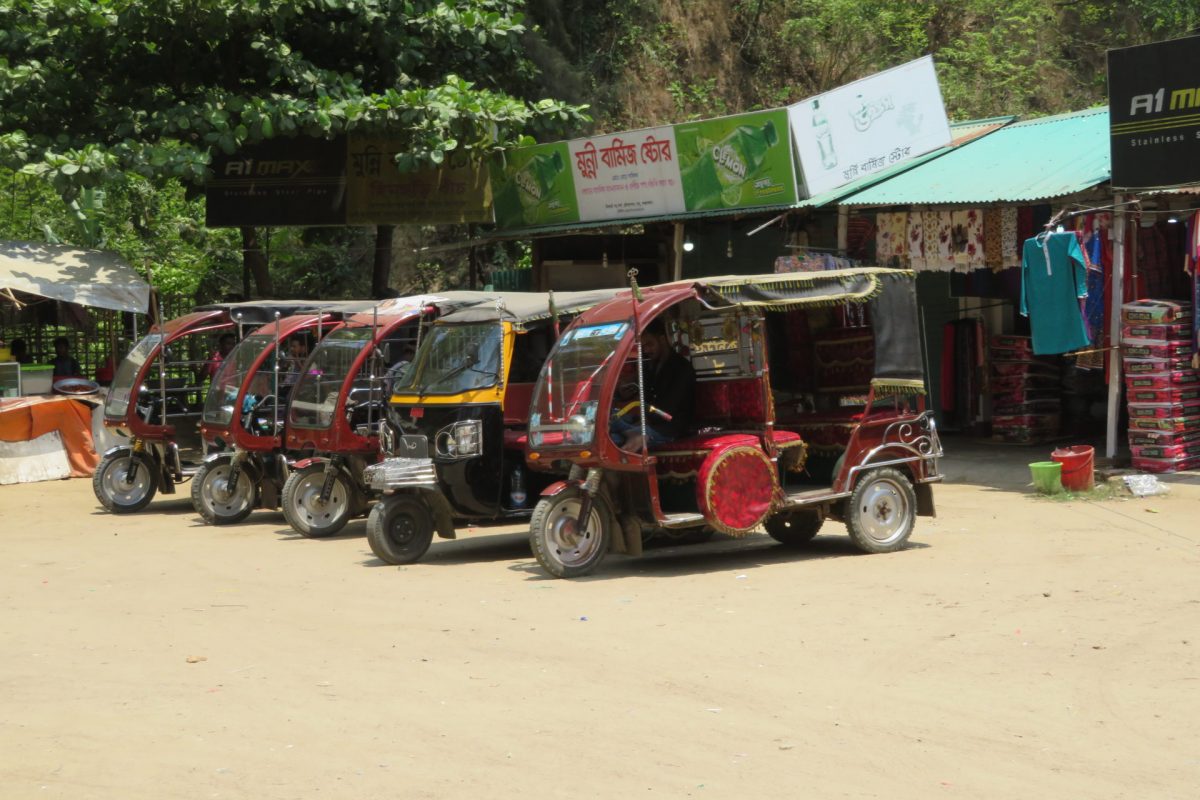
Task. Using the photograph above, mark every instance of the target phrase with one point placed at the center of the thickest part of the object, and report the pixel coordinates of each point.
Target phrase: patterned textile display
(968, 238)
(936, 227)
(916, 241)
(993, 238)
(860, 230)
(891, 237)
(1009, 242)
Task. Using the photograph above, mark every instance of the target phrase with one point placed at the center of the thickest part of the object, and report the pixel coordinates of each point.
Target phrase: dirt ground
(1020, 648)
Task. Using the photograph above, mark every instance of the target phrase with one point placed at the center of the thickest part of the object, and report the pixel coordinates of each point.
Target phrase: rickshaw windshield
(315, 396)
(454, 359)
(219, 405)
(123, 389)
(563, 413)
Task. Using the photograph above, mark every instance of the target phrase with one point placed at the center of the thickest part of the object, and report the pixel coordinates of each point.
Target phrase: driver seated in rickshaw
(670, 392)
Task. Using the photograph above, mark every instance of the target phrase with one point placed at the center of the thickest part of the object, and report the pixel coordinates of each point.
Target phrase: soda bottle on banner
(719, 175)
(518, 200)
(824, 136)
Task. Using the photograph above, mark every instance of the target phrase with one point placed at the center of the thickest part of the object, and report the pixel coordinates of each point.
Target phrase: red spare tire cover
(735, 489)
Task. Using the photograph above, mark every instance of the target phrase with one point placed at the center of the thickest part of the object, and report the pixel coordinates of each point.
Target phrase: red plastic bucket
(1078, 466)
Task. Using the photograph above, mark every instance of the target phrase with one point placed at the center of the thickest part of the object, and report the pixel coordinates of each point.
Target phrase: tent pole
(1115, 378)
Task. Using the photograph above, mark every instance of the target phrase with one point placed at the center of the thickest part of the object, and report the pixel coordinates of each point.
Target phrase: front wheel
(304, 509)
(218, 502)
(125, 482)
(881, 511)
(400, 529)
(561, 546)
(794, 528)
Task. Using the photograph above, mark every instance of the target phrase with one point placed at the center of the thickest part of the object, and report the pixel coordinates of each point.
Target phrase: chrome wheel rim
(221, 501)
(569, 545)
(124, 492)
(315, 512)
(884, 512)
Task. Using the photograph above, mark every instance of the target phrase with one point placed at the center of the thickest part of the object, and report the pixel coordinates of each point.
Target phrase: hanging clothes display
(968, 238)
(1053, 279)
(1009, 251)
(993, 250)
(916, 241)
(1092, 237)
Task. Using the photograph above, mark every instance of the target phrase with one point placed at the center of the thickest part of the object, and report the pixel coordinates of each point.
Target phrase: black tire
(119, 496)
(554, 541)
(881, 512)
(303, 509)
(213, 503)
(795, 527)
(400, 529)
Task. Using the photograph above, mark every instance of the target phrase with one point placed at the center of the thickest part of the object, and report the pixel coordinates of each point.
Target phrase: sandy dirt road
(1020, 648)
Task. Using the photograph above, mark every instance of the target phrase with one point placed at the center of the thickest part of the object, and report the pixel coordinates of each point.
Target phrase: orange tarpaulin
(25, 418)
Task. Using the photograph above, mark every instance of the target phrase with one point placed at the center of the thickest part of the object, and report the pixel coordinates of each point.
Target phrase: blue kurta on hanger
(1053, 279)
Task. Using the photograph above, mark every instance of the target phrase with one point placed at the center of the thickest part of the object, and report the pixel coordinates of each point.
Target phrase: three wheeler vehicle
(808, 404)
(339, 403)
(454, 438)
(245, 412)
(156, 398)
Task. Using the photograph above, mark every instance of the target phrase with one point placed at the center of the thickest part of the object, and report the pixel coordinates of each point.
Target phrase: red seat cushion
(682, 457)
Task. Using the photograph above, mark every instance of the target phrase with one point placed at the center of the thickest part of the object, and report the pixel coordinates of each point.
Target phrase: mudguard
(558, 487)
(116, 449)
(304, 463)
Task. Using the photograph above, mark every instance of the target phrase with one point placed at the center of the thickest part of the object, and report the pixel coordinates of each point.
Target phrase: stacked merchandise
(1026, 407)
(1162, 388)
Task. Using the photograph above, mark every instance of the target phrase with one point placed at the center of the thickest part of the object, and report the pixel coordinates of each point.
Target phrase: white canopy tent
(88, 277)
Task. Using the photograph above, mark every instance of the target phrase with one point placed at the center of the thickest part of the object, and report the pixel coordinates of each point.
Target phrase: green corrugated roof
(1029, 160)
(960, 134)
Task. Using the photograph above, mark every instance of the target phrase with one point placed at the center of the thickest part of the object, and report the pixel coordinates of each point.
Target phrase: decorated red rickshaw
(772, 439)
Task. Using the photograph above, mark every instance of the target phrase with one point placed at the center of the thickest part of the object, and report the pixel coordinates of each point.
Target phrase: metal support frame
(1117, 295)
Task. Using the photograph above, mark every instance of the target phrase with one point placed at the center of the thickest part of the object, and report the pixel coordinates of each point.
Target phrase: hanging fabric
(916, 241)
(1010, 252)
(1053, 279)
(968, 239)
(993, 249)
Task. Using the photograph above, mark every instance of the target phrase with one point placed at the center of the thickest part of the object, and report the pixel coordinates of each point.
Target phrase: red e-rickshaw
(768, 446)
(156, 397)
(339, 403)
(245, 413)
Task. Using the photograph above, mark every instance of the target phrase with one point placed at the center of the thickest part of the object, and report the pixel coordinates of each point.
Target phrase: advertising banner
(736, 162)
(868, 125)
(1154, 111)
(377, 192)
(633, 174)
(534, 186)
(298, 181)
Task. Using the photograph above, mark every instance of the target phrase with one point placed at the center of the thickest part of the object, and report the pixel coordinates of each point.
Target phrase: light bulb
(729, 249)
(688, 246)
(604, 260)
(1173, 219)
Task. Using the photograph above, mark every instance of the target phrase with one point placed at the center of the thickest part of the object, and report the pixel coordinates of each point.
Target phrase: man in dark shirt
(670, 388)
(65, 365)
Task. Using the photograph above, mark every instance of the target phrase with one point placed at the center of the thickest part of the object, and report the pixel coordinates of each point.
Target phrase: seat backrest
(733, 403)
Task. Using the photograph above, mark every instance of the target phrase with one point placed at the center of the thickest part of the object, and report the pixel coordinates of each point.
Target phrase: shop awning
(88, 277)
(1035, 159)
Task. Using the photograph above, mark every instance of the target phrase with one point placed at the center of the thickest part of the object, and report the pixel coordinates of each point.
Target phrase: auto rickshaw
(808, 404)
(454, 439)
(156, 398)
(245, 413)
(340, 401)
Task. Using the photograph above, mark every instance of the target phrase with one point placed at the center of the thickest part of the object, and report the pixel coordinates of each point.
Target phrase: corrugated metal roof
(1029, 160)
(960, 134)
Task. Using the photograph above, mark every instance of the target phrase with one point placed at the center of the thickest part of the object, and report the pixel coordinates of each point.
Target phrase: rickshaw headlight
(466, 438)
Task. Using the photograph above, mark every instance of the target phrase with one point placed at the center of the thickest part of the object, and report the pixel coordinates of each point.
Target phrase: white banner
(628, 174)
(868, 125)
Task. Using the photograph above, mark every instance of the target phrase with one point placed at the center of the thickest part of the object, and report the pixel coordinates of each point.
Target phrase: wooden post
(843, 231)
(1115, 379)
(677, 271)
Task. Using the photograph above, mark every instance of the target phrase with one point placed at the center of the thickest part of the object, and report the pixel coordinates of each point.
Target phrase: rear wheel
(125, 482)
(558, 542)
(218, 502)
(304, 509)
(794, 528)
(400, 529)
(881, 511)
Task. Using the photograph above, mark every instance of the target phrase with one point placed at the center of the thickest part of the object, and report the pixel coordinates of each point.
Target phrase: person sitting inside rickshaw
(670, 389)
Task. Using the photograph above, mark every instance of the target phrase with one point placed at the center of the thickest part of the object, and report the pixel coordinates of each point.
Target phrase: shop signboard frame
(868, 125)
(1154, 114)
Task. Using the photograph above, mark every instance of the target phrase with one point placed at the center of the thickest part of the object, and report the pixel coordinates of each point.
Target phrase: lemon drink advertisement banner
(534, 186)
(627, 175)
(869, 125)
(736, 162)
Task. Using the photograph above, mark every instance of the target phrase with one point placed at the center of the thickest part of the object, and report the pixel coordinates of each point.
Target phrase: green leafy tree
(94, 90)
